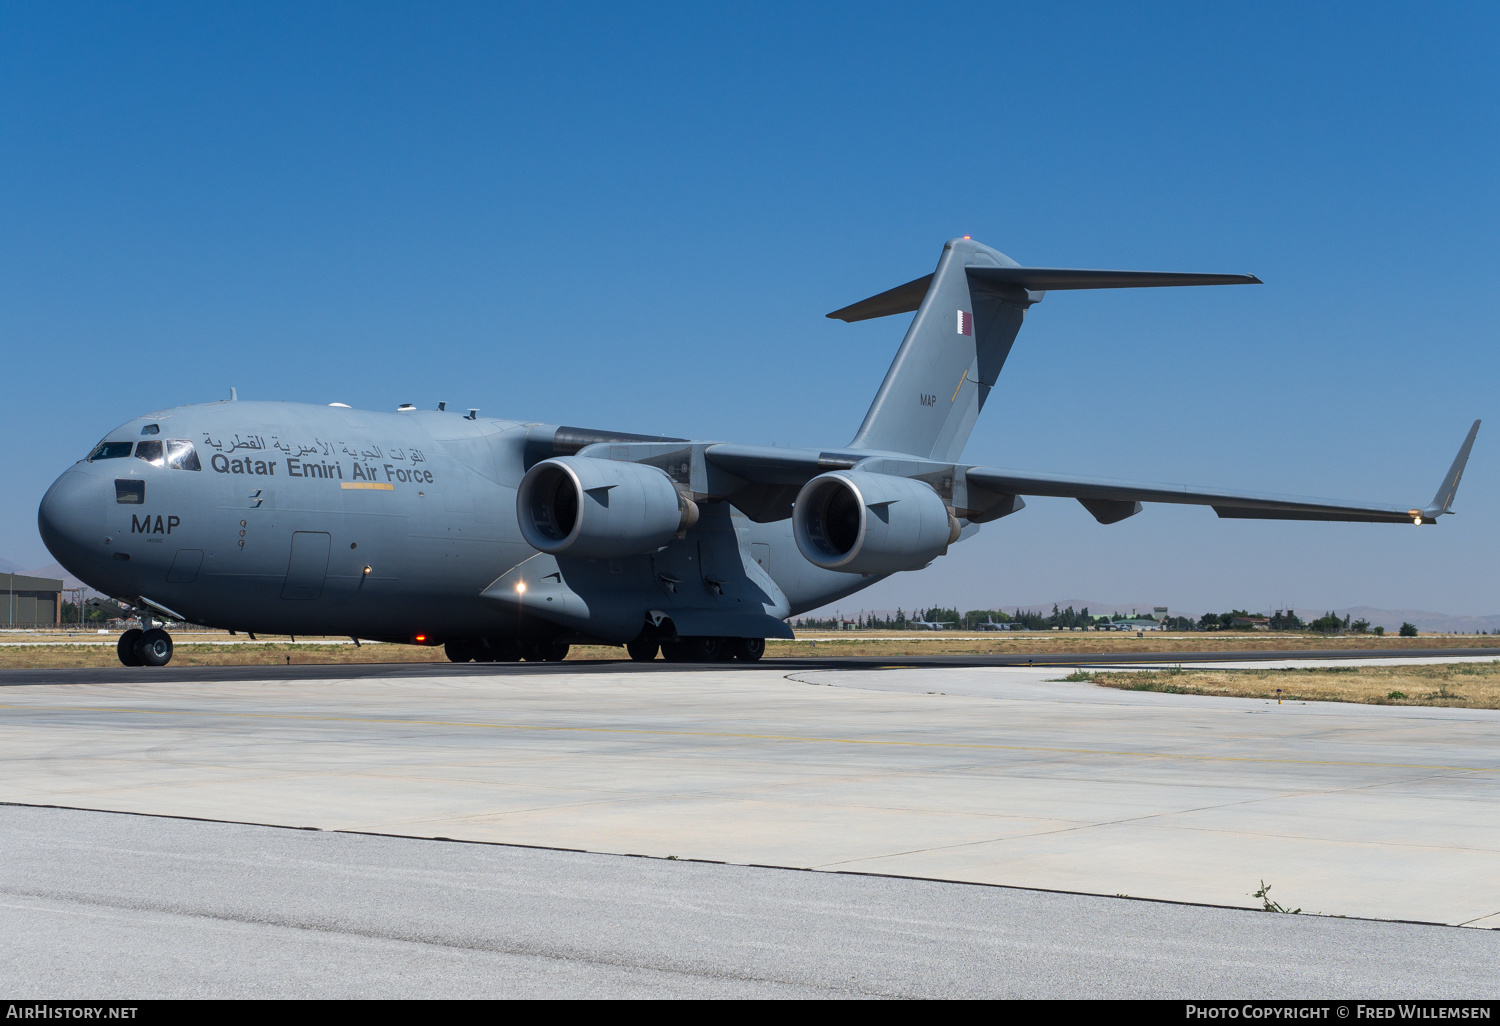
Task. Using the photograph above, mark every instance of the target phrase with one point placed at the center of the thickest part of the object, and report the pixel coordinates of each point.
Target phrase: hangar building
(30, 600)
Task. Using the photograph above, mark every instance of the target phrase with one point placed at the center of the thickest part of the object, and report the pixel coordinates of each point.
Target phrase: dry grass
(252, 654)
(267, 654)
(194, 649)
(1460, 685)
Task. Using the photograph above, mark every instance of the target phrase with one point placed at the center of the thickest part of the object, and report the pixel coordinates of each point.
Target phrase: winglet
(1443, 500)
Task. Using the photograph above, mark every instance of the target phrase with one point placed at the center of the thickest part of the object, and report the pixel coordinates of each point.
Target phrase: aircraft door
(185, 566)
(308, 566)
(761, 553)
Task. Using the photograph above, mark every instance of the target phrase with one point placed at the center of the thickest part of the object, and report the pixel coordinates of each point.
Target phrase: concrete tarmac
(990, 775)
(111, 906)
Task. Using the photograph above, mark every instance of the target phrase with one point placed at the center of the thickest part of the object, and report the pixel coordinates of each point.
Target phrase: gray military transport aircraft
(504, 540)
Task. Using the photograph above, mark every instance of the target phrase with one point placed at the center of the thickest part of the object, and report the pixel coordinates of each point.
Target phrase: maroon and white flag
(965, 323)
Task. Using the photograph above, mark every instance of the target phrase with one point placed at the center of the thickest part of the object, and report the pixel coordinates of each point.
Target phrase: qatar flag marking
(965, 323)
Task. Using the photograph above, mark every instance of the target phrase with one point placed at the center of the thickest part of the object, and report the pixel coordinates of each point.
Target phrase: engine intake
(863, 523)
(582, 506)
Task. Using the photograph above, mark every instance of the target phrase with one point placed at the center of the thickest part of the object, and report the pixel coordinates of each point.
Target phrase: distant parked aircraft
(930, 625)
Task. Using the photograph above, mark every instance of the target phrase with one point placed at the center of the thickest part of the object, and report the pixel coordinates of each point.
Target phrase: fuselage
(300, 519)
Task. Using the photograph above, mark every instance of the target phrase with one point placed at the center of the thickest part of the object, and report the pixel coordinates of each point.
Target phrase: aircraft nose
(71, 517)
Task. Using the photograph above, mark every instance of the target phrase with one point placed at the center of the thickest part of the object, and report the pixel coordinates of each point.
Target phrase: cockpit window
(151, 429)
(110, 451)
(130, 493)
(181, 455)
(150, 452)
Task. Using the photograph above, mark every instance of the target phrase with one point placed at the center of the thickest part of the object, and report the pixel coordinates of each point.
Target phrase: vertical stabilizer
(950, 358)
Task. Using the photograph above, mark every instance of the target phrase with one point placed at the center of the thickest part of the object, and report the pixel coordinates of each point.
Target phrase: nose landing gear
(144, 648)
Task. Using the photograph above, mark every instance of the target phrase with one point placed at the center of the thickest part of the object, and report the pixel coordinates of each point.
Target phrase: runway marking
(972, 745)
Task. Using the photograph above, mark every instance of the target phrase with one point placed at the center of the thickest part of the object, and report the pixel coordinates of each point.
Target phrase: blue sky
(636, 217)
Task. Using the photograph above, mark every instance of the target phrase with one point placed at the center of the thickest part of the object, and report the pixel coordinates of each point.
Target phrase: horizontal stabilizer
(1047, 279)
(901, 299)
(906, 298)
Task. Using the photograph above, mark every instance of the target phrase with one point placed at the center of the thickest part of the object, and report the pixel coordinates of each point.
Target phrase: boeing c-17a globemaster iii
(504, 540)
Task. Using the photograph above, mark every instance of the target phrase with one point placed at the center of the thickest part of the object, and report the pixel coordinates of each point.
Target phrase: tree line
(1065, 619)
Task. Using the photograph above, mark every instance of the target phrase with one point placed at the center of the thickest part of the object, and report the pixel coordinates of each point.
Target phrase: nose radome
(71, 518)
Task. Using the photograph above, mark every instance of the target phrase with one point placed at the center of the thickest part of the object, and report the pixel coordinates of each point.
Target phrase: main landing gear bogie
(642, 650)
(144, 648)
(709, 650)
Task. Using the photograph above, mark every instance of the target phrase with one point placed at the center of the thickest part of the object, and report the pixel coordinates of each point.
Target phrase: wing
(765, 480)
(1113, 501)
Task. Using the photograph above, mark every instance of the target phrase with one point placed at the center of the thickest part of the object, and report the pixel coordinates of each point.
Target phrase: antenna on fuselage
(473, 414)
(234, 396)
(442, 406)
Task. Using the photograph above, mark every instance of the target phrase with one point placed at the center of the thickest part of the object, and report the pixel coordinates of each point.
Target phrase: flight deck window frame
(182, 455)
(153, 451)
(110, 451)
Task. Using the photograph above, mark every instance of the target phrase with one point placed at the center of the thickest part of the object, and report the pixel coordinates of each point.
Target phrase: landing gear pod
(581, 506)
(862, 523)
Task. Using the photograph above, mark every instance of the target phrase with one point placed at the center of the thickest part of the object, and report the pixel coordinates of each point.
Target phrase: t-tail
(968, 313)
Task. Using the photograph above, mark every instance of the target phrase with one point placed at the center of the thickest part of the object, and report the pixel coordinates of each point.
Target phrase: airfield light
(520, 587)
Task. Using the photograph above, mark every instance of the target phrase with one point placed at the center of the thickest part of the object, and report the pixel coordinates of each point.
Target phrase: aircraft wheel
(125, 647)
(503, 650)
(747, 649)
(674, 652)
(642, 650)
(544, 652)
(154, 647)
(703, 649)
(459, 651)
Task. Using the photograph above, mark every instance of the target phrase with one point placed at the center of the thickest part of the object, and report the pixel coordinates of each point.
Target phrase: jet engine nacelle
(581, 506)
(863, 523)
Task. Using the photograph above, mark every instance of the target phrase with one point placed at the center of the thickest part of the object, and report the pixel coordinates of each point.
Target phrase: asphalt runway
(105, 905)
(358, 671)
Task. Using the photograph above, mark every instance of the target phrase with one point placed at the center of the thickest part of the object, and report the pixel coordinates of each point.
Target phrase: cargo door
(308, 565)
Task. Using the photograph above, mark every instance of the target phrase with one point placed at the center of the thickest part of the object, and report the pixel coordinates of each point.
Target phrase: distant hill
(1423, 619)
(56, 571)
(7, 567)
